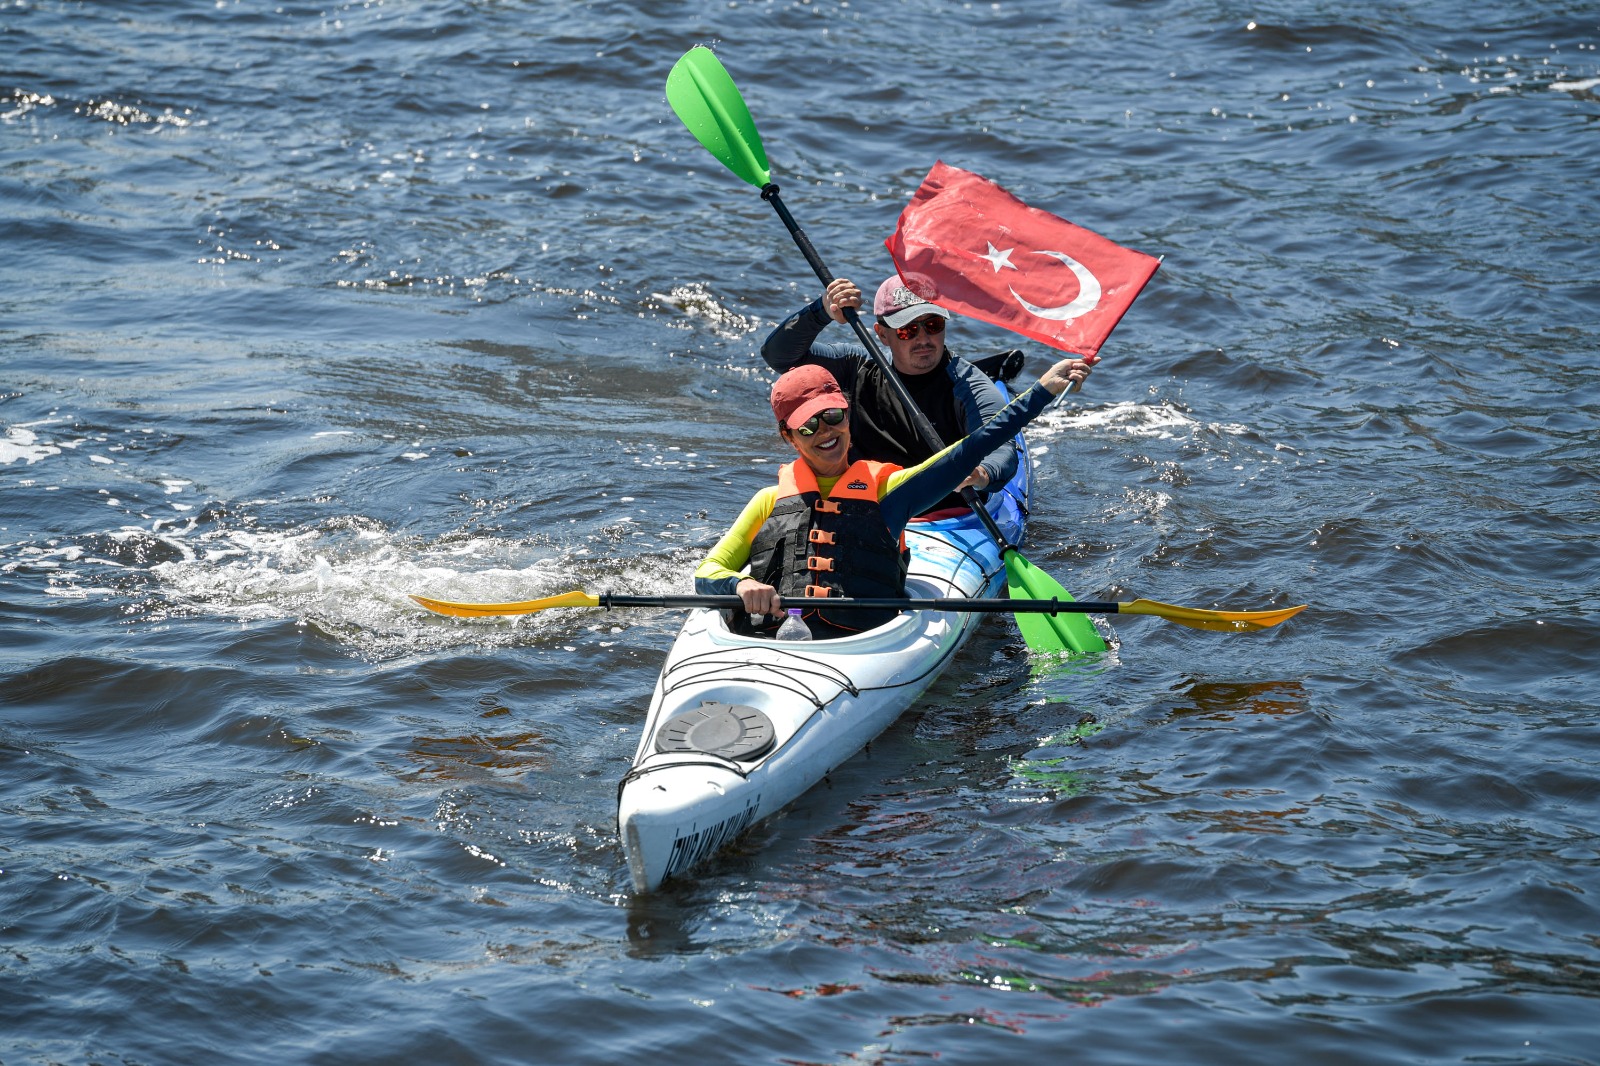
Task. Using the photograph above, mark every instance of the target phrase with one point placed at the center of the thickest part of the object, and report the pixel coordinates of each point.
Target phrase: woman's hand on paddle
(840, 293)
(978, 479)
(1067, 373)
(759, 598)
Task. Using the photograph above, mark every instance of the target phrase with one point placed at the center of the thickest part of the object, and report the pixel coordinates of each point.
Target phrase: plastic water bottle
(793, 627)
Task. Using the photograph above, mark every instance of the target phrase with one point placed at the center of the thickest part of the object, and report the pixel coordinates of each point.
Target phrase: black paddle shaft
(930, 437)
(904, 603)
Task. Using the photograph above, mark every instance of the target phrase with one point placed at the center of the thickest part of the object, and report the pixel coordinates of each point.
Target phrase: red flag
(989, 255)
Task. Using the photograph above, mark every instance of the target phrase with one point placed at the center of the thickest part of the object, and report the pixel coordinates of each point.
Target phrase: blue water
(310, 306)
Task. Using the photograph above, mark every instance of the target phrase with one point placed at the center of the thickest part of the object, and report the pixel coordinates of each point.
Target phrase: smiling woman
(811, 411)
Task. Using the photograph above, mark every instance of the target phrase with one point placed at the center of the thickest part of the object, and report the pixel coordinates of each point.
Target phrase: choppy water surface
(311, 306)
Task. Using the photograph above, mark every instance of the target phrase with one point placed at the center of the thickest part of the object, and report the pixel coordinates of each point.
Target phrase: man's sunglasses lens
(934, 326)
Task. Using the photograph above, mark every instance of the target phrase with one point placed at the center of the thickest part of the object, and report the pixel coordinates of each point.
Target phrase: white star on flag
(997, 258)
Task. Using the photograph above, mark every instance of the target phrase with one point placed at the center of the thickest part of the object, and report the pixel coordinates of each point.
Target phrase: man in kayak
(955, 395)
(834, 525)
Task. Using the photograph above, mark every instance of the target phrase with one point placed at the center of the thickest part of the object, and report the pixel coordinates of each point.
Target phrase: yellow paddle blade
(485, 610)
(1196, 618)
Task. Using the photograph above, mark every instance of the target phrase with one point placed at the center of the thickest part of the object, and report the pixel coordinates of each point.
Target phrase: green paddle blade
(705, 98)
(1048, 632)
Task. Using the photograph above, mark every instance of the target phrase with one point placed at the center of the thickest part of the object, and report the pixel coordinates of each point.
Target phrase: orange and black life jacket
(833, 545)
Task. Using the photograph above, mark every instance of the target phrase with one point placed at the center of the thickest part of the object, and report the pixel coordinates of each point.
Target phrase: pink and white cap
(900, 300)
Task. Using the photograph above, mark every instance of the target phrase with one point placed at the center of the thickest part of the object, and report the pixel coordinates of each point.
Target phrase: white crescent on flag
(1088, 293)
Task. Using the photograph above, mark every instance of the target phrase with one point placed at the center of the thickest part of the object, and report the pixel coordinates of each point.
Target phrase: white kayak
(740, 727)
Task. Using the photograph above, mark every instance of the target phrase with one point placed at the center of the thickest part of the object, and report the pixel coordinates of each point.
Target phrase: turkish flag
(982, 252)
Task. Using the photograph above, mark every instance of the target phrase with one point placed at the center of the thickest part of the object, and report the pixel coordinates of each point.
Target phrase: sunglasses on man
(833, 416)
(933, 324)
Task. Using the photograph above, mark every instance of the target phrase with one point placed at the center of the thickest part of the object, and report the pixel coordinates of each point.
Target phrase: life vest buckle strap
(819, 562)
(818, 590)
(821, 536)
(827, 506)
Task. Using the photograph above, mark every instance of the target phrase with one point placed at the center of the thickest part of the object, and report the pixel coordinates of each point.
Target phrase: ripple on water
(1541, 659)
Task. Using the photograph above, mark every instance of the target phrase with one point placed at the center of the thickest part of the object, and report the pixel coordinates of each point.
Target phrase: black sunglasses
(833, 416)
(933, 324)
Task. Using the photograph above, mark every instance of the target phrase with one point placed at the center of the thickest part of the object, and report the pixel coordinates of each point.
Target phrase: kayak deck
(739, 726)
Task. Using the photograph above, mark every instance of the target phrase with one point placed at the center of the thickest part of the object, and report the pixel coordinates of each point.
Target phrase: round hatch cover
(726, 729)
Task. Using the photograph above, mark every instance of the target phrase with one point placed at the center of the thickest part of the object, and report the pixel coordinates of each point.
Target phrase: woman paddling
(833, 527)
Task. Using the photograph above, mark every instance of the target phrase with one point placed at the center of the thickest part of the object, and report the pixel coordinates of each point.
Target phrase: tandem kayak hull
(740, 727)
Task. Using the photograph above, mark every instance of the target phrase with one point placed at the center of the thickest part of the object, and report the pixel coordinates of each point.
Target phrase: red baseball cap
(804, 391)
